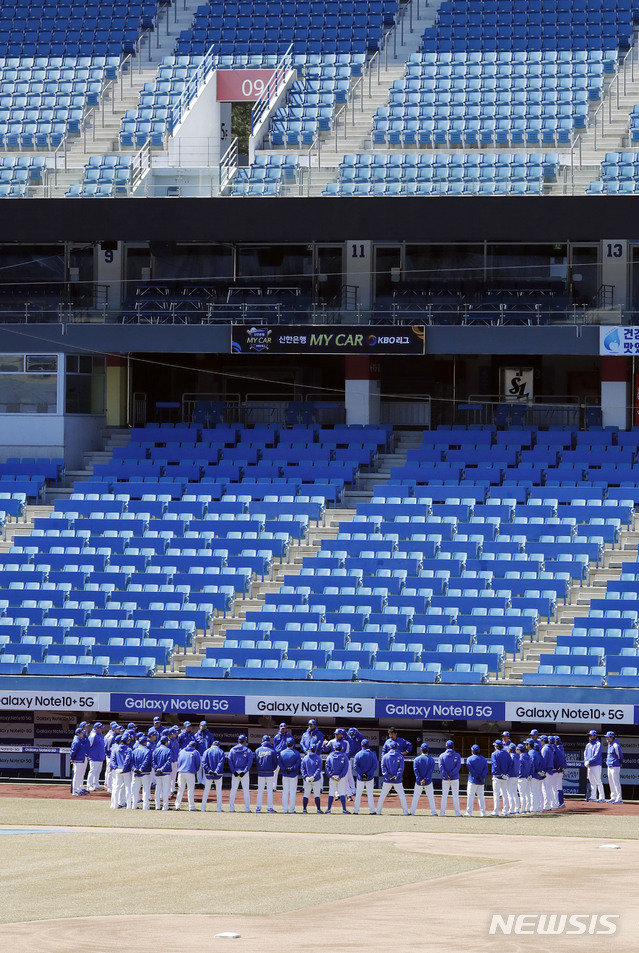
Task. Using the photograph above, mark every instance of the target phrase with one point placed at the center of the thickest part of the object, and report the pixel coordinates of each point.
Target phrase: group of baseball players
(527, 778)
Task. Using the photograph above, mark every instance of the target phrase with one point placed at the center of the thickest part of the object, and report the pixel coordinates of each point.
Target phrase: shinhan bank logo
(612, 342)
(554, 924)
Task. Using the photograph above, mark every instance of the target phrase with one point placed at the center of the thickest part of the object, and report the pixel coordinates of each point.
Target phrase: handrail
(192, 87)
(228, 164)
(272, 89)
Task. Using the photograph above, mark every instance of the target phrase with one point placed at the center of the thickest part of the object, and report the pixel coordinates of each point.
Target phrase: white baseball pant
(173, 778)
(289, 793)
(244, 780)
(312, 788)
(536, 795)
(453, 787)
(350, 780)
(596, 784)
(186, 780)
(429, 791)
(337, 788)
(144, 783)
(162, 791)
(268, 785)
(525, 795)
(79, 770)
(614, 780)
(399, 789)
(208, 782)
(360, 787)
(121, 793)
(499, 791)
(93, 779)
(472, 790)
(513, 796)
(549, 792)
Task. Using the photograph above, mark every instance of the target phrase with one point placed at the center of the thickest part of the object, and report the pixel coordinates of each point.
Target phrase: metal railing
(192, 88)
(229, 165)
(272, 88)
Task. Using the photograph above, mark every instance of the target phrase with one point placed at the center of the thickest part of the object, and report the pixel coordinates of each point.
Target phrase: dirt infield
(448, 914)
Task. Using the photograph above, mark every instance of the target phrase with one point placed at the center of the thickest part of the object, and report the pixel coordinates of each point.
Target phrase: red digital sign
(241, 85)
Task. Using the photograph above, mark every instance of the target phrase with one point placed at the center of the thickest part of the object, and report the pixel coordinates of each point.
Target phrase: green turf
(96, 813)
(99, 873)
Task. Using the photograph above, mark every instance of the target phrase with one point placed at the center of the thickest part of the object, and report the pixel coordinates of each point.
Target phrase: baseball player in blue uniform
(537, 775)
(404, 747)
(122, 763)
(213, 770)
(365, 767)
(312, 737)
(174, 745)
(548, 781)
(449, 765)
(513, 776)
(266, 761)
(499, 765)
(392, 775)
(614, 760)
(423, 766)
(162, 761)
(353, 739)
(280, 741)
(240, 759)
(187, 768)
(203, 739)
(185, 737)
(524, 771)
(290, 761)
(96, 755)
(108, 741)
(141, 780)
(79, 758)
(336, 770)
(477, 770)
(311, 769)
(593, 761)
(560, 764)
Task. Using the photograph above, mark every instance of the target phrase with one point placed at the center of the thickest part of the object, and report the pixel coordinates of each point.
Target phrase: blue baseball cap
(393, 745)
(521, 747)
(533, 731)
(202, 724)
(423, 747)
(592, 732)
(266, 737)
(114, 724)
(557, 738)
(289, 743)
(312, 722)
(450, 743)
(242, 739)
(543, 737)
(97, 724)
(364, 742)
(283, 725)
(186, 724)
(498, 743)
(132, 726)
(474, 749)
(610, 734)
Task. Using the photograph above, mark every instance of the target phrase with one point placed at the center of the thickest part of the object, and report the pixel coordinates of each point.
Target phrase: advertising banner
(318, 339)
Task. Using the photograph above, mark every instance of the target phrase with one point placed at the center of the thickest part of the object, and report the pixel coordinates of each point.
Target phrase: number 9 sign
(241, 86)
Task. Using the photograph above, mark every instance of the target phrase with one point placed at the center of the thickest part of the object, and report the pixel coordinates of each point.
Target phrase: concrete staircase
(103, 124)
(607, 130)
(113, 437)
(577, 605)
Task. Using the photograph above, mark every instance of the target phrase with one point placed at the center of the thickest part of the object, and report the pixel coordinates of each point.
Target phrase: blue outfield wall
(352, 700)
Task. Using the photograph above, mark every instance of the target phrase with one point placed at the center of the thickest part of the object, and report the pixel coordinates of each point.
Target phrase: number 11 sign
(241, 85)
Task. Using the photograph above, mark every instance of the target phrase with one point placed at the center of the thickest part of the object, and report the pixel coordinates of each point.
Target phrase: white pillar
(361, 390)
(614, 269)
(109, 273)
(359, 271)
(615, 375)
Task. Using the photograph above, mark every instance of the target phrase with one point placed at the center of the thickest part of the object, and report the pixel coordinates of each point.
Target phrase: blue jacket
(499, 763)
(281, 740)
(142, 760)
(392, 767)
(174, 748)
(79, 748)
(162, 760)
(123, 759)
(202, 741)
(189, 760)
(97, 748)
(593, 753)
(513, 768)
(537, 765)
(266, 760)
(405, 747)
(559, 756)
(365, 764)
(159, 727)
(153, 743)
(614, 756)
(290, 760)
(240, 759)
(354, 744)
(525, 765)
(424, 765)
(108, 739)
(336, 764)
(311, 738)
(311, 766)
(548, 758)
(185, 737)
(477, 768)
(213, 762)
(449, 764)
